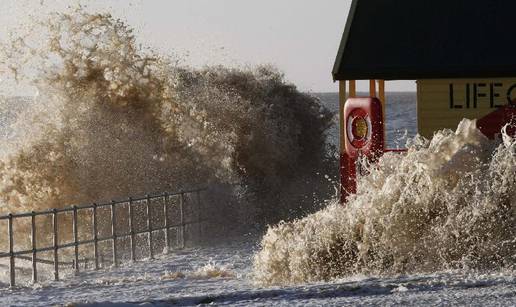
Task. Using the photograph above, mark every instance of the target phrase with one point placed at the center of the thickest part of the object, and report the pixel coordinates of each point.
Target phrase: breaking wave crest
(112, 120)
(449, 203)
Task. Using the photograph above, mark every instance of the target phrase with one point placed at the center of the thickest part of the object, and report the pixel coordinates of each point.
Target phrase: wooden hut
(461, 53)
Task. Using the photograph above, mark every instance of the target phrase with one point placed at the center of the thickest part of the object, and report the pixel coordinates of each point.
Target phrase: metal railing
(121, 215)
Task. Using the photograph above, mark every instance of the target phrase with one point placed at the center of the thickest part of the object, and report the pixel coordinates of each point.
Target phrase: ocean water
(401, 116)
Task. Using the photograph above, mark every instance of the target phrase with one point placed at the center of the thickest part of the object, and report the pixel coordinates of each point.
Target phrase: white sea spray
(112, 120)
(448, 203)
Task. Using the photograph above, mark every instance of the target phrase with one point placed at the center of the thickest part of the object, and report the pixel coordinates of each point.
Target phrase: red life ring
(358, 128)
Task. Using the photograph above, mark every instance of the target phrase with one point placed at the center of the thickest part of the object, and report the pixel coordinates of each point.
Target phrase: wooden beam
(381, 91)
(372, 88)
(381, 96)
(352, 88)
(342, 102)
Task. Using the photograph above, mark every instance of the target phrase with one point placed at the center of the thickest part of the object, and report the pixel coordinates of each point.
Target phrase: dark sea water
(401, 116)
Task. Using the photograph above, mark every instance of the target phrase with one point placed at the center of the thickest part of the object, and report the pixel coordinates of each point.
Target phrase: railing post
(75, 240)
(149, 227)
(165, 213)
(12, 272)
(131, 228)
(34, 248)
(182, 219)
(113, 232)
(95, 237)
(56, 245)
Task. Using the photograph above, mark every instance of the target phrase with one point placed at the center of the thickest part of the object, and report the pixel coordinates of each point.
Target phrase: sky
(300, 37)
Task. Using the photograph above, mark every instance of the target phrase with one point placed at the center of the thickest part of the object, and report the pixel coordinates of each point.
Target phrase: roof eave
(409, 74)
(344, 40)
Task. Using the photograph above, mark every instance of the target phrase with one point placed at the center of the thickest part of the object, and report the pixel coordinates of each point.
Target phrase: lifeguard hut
(462, 54)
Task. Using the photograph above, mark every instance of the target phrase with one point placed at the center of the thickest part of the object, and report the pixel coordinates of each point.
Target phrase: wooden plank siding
(444, 103)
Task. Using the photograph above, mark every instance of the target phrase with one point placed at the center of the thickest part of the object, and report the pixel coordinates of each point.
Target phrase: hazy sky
(301, 37)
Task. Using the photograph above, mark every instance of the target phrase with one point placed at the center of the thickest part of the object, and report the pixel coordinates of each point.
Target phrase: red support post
(348, 177)
(363, 136)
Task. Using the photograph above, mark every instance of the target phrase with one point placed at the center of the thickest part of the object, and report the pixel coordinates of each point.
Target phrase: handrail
(115, 235)
(89, 206)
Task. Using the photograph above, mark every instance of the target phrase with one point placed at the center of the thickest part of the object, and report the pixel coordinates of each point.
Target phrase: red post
(348, 177)
(364, 136)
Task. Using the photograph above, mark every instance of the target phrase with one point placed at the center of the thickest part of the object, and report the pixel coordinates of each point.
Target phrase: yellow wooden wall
(444, 103)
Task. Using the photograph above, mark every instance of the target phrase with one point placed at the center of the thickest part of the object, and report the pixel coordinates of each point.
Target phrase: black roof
(428, 39)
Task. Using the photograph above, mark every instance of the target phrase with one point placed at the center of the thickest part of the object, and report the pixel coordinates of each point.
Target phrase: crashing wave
(112, 120)
(449, 203)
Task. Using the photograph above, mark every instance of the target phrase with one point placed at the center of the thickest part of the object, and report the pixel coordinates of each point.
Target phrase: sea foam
(448, 203)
